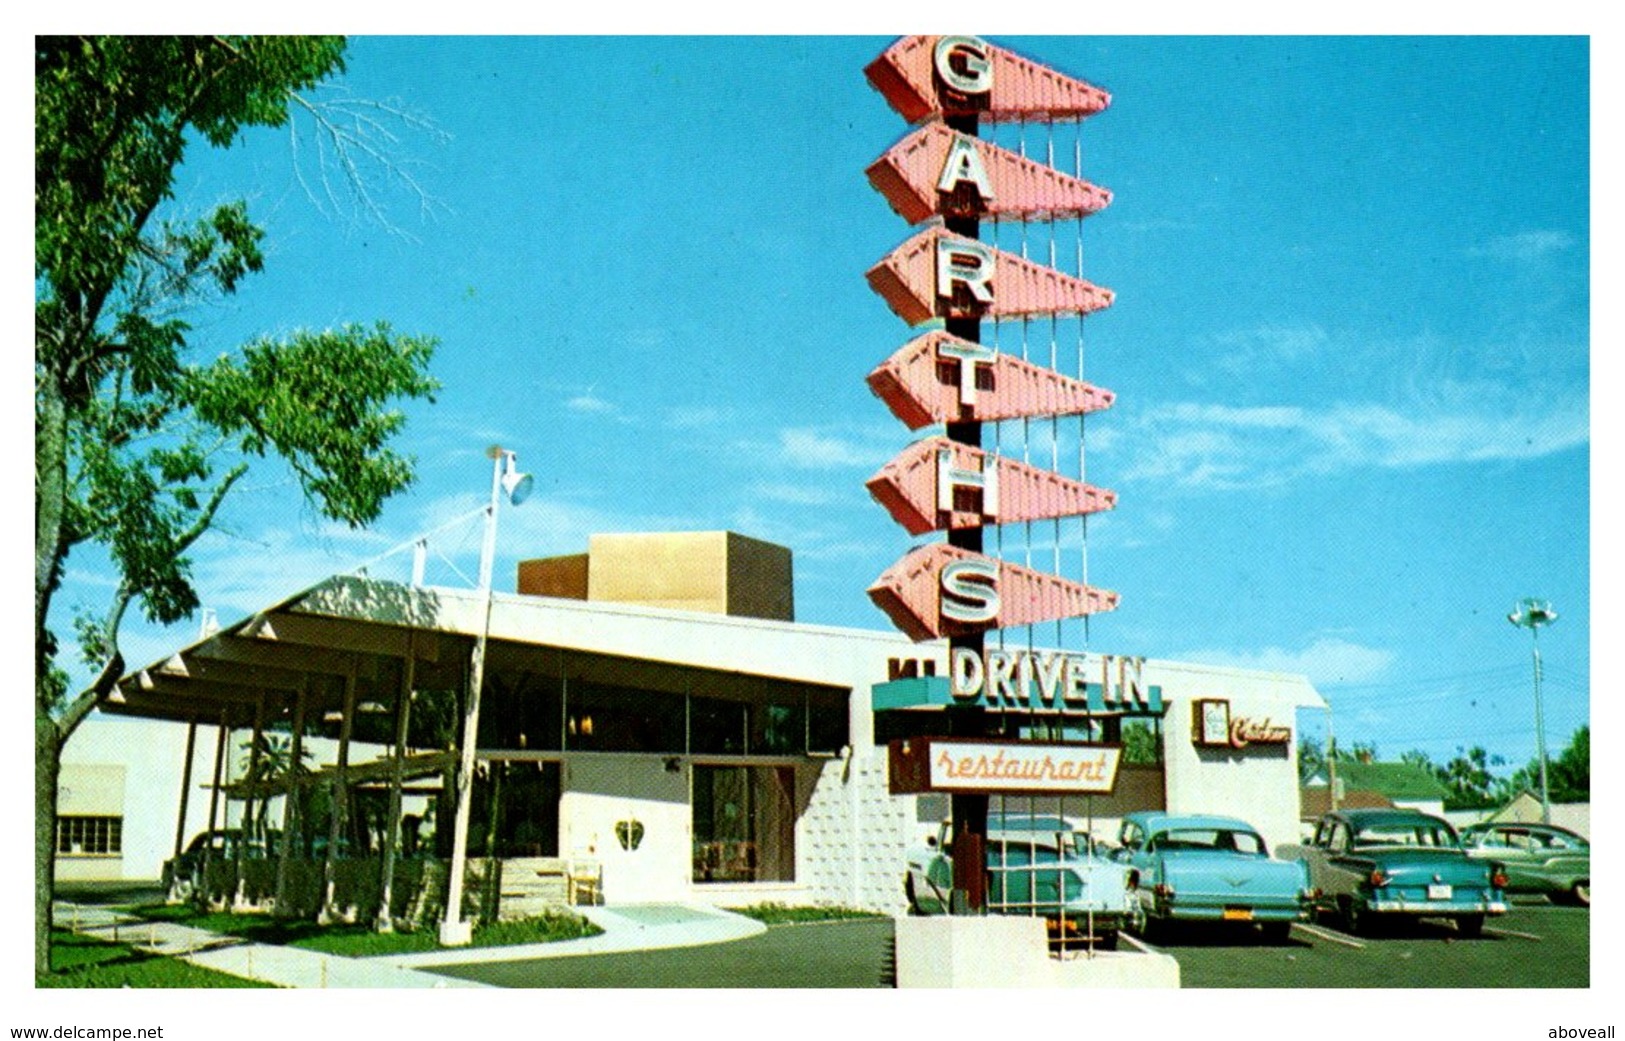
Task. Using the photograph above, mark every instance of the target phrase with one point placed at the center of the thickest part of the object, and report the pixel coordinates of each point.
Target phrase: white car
(1037, 865)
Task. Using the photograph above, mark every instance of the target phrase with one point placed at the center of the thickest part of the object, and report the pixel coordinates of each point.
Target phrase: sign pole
(969, 811)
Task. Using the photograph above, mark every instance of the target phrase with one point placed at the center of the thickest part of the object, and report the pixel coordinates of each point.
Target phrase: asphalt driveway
(1536, 945)
(851, 953)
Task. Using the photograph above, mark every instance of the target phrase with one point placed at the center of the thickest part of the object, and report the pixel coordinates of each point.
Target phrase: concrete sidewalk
(267, 963)
(628, 927)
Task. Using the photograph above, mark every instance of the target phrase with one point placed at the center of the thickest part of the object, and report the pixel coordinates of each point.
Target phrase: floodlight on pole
(508, 482)
(1531, 614)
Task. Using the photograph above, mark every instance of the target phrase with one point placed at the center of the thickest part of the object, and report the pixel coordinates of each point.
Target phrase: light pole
(505, 479)
(1531, 614)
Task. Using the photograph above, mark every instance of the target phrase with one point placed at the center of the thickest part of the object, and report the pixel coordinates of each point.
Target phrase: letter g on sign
(963, 64)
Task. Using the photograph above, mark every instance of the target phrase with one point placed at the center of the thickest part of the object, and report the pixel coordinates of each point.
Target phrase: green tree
(1568, 774)
(1311, 757)
(136, 444)
(274, 763)
(1140, 743)
(1468, 776)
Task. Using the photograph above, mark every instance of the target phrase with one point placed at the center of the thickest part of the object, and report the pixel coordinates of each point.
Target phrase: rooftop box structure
(715, 572)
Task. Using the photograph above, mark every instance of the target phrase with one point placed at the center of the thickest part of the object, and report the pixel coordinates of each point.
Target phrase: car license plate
(1438, 892)
(1238, 914)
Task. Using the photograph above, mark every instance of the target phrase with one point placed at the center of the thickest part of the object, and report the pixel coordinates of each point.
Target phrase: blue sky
(1350, 341)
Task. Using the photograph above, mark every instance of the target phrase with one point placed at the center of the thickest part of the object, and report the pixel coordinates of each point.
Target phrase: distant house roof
(1525, 807)
(1394, 780)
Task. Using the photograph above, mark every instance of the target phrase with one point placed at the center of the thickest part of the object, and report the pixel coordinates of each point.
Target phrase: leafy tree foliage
(136, 443)
(1140, 743)
(1568, 774)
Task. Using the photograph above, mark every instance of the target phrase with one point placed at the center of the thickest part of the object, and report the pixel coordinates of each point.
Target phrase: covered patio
(383, 671)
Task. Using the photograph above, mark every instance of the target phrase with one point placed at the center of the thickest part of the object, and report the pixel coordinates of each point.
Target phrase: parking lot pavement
(848, 954)
(1532, 946)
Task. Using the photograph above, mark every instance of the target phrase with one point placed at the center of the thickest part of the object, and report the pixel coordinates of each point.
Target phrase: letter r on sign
(967, 261)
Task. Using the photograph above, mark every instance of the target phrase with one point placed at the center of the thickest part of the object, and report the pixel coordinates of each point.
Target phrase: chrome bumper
(1438, 907)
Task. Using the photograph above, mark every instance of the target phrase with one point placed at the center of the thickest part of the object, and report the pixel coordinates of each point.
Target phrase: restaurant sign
(934, 764)
(1212, 726)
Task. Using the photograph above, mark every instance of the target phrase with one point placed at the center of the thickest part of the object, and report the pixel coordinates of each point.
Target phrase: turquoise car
(1038, 865)
(1376, 866)
(1205, 868)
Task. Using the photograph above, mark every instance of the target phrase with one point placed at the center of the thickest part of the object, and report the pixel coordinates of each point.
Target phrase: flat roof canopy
(344, 627)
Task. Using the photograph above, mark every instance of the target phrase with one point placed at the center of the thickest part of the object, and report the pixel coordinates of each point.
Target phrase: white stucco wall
(1259, 783)
(150, 757)
(601, 789)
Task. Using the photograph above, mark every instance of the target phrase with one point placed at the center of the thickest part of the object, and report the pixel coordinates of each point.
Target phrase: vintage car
(181, 873)
(1537, 858)
(1038, 865)
(1374, 865)
(1210, 869)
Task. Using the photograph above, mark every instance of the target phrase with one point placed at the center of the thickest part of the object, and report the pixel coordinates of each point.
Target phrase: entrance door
(744, 824)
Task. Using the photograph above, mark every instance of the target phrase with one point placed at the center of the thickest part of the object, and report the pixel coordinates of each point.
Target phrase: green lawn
(359, 941)
(81, 961)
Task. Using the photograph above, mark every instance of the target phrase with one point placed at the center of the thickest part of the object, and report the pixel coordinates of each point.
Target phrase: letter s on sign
(964, 596)
(973, 72)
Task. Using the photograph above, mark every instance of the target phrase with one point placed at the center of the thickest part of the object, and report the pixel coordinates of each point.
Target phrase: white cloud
(795, 494)
(590, 404)
(695, 416)
(1228, 448)
(1247, 347)
(1527, 245)
(1327, 661)
(810, 449)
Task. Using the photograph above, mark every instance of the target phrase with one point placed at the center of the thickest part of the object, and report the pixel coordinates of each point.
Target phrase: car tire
(1470, 926)
(1276, 933)
(1107, 941)
(1356, 919)
(180, 891)
(913, 898)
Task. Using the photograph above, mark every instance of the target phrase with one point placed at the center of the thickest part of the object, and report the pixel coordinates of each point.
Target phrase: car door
(1513, 848)
(1131, 852)
(1330, 867)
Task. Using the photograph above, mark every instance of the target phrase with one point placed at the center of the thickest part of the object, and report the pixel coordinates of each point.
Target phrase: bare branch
(353, 139)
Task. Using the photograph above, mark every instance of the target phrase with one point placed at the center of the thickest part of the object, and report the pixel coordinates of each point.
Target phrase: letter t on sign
(970, 355)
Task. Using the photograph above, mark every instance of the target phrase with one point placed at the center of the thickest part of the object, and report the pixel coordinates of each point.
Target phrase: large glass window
(522, 711)
(601, 718)
(515, 812)
(744, 824)
(780, 728)
(717, 726)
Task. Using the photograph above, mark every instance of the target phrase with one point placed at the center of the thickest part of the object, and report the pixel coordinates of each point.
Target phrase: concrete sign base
(1004, 951)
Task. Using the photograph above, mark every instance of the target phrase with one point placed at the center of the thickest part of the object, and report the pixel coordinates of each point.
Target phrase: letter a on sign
(964, 163)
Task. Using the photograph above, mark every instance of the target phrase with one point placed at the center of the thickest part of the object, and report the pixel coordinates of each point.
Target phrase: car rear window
(1211, 839)
(1424, 834)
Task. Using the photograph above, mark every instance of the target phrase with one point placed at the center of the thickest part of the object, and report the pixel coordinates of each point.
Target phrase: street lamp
(1531, 614)
(506, 482)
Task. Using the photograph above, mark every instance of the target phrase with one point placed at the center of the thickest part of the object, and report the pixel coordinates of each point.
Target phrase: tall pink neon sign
(941, 274)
